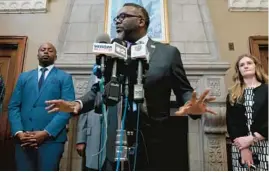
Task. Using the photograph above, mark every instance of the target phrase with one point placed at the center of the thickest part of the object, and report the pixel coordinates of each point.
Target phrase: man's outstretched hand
(63, 106)
(196, 106)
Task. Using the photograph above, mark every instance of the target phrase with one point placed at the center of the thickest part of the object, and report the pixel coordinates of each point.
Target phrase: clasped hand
(243, 142)
(196, 106)
(246, 157)
(32, 139)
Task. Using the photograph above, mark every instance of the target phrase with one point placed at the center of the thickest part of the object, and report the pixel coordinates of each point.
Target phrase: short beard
(128, 35)
(45, 64)
(121, 35)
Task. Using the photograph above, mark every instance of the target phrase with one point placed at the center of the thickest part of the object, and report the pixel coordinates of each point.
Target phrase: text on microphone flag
(139, 51)
(138, 47)
(102, 47)
(121, 50)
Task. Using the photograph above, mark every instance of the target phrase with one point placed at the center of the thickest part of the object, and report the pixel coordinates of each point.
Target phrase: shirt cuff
(18, 132)
(48, 133)
(80, 102)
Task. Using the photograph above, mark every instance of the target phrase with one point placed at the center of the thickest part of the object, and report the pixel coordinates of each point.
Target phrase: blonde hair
(237, 90)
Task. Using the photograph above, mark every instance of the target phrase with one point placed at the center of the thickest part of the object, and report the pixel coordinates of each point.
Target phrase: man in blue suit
(40, 136)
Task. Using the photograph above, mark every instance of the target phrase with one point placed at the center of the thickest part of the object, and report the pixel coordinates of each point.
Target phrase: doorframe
(255, 42)
(20, 41)
(7, 142)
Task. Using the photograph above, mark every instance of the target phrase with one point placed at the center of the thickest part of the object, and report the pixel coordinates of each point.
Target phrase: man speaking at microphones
(165, 73)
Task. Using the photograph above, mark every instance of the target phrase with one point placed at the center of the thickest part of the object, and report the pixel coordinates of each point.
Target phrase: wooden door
(7, 66)
(263, 49)
(259, 48)
(11, 61)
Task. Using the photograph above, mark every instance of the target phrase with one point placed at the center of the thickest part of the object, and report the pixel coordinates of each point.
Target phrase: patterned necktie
(42, 78)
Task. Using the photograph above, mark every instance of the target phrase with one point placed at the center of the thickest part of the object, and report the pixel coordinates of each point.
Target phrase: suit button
(34, 106)
(30, 119)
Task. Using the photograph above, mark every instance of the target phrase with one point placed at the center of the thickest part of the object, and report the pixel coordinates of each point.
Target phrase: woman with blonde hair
(247, 115)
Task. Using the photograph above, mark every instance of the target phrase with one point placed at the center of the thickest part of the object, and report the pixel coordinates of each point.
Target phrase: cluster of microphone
(120, 65)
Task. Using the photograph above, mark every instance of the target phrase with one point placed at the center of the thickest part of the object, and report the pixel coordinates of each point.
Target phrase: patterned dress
(260, 148)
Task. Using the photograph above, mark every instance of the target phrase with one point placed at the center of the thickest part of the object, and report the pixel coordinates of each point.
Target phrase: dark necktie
(42, 78)
(129, 44)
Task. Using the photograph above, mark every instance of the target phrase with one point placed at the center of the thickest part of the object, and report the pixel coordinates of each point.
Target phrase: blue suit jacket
(27, 105)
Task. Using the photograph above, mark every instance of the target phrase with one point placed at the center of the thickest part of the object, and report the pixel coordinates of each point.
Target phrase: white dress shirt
(50, 67)
(143, 40)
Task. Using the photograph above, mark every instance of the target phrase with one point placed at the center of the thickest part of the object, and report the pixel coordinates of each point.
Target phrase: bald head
(46, 54)
(48, 44)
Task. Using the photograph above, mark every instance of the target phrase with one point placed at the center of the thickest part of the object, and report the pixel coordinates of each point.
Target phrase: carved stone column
(207, 143)
(215, 141)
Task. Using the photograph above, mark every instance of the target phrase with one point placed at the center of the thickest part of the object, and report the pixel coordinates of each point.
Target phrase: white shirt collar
(48, 67)
(143, 40)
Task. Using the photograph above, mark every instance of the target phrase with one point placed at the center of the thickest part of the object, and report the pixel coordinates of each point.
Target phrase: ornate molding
(81, 85)
(215, 124)
(205, 68)
(216, 155)
(248, 5)
(214, 151)
(214, 85)
(23, 6)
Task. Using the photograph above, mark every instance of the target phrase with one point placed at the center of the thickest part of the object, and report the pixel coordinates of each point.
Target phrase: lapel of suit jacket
(151, 49)
(47, 81)
(34, 78)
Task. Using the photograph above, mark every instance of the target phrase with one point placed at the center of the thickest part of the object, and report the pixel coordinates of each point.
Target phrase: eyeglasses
(122, 16)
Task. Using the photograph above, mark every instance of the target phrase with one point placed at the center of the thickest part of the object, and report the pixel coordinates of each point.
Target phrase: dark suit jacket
(236, 119)
(165, 73)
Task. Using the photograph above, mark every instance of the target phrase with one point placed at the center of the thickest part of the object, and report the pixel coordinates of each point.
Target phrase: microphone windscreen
(103, 38)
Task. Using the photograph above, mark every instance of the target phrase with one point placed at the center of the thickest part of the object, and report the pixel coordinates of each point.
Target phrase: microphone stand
(104, 113)
(122, 147)
(138, 99)
(121, 137)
